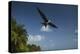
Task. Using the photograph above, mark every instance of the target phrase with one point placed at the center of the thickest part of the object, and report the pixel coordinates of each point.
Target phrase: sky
(63, 16)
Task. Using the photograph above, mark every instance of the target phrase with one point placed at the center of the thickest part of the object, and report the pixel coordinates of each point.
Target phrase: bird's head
(49, 21)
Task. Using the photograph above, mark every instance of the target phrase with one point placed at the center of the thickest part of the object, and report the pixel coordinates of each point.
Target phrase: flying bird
(46, 20)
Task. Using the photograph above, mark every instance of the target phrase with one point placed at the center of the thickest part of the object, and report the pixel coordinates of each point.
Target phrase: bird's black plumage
(52, 25)
(42, 15)
(46, 21)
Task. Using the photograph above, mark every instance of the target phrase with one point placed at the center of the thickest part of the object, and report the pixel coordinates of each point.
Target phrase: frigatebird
(46, 20)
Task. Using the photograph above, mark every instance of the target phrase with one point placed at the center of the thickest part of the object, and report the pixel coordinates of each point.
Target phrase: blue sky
(63, 16)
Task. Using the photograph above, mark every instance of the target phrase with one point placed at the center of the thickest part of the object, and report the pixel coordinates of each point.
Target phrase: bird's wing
(52, 25)
(42, 15)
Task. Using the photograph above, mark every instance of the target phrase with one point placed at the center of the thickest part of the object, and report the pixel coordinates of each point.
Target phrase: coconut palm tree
(18, 37)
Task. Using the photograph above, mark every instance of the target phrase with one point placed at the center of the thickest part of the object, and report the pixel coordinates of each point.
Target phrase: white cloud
(76, 35)
(52, 43)
(46, 29)
(76, 31)
(35, 39)
(75, 39)
(51, 40)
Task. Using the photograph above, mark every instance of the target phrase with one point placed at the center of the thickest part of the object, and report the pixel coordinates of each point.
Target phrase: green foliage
(33, 47)
(19, 38)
